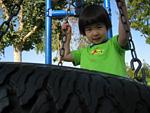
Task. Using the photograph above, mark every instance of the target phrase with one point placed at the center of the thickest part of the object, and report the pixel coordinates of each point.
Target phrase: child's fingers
(66, 27)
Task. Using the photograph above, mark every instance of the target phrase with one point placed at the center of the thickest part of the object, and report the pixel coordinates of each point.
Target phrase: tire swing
(43, 88)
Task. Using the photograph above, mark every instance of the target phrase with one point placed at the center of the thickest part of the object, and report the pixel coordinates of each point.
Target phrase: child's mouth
(96, 39)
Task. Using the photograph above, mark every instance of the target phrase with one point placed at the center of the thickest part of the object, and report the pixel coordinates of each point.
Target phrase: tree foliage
(27, 28)
(22, 26)
(139, 16)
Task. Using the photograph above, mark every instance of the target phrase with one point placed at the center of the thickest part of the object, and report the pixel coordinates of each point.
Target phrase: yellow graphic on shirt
(97, 51)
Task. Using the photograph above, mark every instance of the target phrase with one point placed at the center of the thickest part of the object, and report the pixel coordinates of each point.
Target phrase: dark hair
(93, 14)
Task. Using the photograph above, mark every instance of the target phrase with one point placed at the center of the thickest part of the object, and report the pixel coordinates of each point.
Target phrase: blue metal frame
(49, 13)
(48, 30)
(62, 13)
(107, 7)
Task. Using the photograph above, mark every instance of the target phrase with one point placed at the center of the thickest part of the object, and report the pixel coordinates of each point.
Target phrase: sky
(142, 49)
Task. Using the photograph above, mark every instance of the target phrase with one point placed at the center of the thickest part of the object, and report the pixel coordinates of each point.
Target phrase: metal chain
(14, 12)
(62, 49)
(131, 45)
(64, 38)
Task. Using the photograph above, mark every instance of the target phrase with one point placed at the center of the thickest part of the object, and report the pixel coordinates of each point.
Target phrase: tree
(139, 16)
(24, 29)
(27, 28)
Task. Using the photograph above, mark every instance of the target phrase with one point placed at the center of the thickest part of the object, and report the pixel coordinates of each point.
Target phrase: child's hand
(66, 27)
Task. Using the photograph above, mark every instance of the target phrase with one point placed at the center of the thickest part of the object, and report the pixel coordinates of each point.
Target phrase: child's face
(96, 33)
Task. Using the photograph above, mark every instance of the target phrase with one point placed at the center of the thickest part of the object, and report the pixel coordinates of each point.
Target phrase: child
(104, 55)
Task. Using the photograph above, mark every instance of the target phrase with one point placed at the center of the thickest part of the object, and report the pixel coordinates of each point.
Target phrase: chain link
(14, 12)
(64, 38)
(131, 45)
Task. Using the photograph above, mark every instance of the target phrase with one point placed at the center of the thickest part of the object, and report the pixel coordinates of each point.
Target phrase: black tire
(41, 88)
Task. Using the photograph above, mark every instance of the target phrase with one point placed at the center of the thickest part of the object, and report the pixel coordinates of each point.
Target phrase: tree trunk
(17, 53)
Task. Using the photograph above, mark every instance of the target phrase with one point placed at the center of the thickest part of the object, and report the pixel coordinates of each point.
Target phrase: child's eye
(99, 27)
(89, 29)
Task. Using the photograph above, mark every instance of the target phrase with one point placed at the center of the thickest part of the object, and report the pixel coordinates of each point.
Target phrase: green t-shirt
(107, 57)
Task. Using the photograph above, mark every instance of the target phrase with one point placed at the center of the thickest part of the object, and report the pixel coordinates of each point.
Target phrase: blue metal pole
(61, 13)
(48, 29)
(107, 7)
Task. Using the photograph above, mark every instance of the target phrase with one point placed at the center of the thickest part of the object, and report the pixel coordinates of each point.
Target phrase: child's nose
(95, 32)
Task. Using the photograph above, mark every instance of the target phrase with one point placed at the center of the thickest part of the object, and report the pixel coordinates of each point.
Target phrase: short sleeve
(77, 56)
(115, 41)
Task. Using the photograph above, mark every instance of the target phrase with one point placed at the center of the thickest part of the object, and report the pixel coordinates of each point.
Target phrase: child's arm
(67, 55)
(122, 39)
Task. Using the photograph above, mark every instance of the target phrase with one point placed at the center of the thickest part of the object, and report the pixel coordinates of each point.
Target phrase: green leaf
(138, 13)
